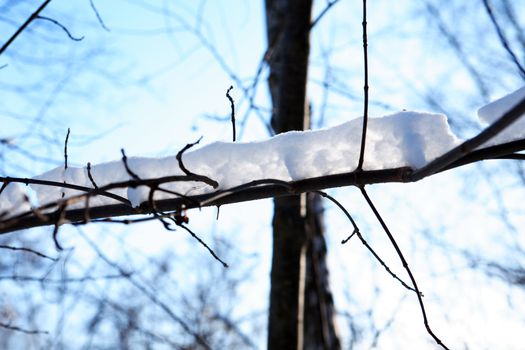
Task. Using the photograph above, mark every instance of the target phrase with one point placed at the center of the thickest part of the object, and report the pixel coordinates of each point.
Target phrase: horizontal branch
(247, 192)
(471, 144)
(260, 189)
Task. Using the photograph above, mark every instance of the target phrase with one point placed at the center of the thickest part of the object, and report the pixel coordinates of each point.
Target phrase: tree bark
(301, 307)
(320, 331)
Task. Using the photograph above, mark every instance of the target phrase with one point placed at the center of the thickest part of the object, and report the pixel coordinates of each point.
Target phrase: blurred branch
(150, 294)
(22, 330)
(455, 44)
(502, 38)
(45, 279)
(328, 6)
(28, 250)
(99, 18)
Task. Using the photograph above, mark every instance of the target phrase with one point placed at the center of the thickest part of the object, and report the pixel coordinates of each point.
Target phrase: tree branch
(259, 189)
(23, 26)
(470, 145)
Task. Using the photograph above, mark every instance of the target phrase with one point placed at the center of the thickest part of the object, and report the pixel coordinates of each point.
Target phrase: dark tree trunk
(301, 307)
(319, 322)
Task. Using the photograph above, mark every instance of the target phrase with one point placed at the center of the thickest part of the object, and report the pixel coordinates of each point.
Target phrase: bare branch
(233, 111)
(60, 213)
(361, 238)
(502, 38)
(29, 250)
(24, 26)
(463, 57)
(22, 330)
(57, 23)
(203, 244)
(4, 185)
(202, 178)
(65, 148)
(405, 265)
(99, 18)
(91, 176)
(87, 190)
(365, 88)
(328, 6)
(468, 146)
(45, 279)
(126, 165)
(264, 188)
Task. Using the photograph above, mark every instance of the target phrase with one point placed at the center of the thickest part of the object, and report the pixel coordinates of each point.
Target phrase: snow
(13, 200)
(406, 138)
(493, 111)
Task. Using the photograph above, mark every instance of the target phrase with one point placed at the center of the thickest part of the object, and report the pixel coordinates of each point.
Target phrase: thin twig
(61, 26)
(203, 178)
(23, 26)
(58, 222)
(329, 4)
(65, 148)
(65, 158)
(46, 280)
(179, 221)
(502, 38)
(90, 176)
(344, 241)
(405, 265)
(181, 152)
(99, 18)
(126, 165)
(365, 88)
(29, 250)
(361, 238)
(4, 185)
(22, 330)
(203, 244)
(232, 104)
(87, 190)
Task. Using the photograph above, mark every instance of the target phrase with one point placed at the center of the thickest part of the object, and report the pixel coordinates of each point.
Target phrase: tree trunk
(301, 306)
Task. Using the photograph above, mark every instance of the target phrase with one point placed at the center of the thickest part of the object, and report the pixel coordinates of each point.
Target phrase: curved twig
(405, 265)
(202, 178)
(61, 26)
(362, 239)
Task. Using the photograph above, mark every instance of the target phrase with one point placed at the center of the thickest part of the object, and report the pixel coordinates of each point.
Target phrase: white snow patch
(493, 111)
(410, 139)
(13, 201)
(402, 139)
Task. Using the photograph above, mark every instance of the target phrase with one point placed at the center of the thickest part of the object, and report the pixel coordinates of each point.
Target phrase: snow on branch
(402, 147)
